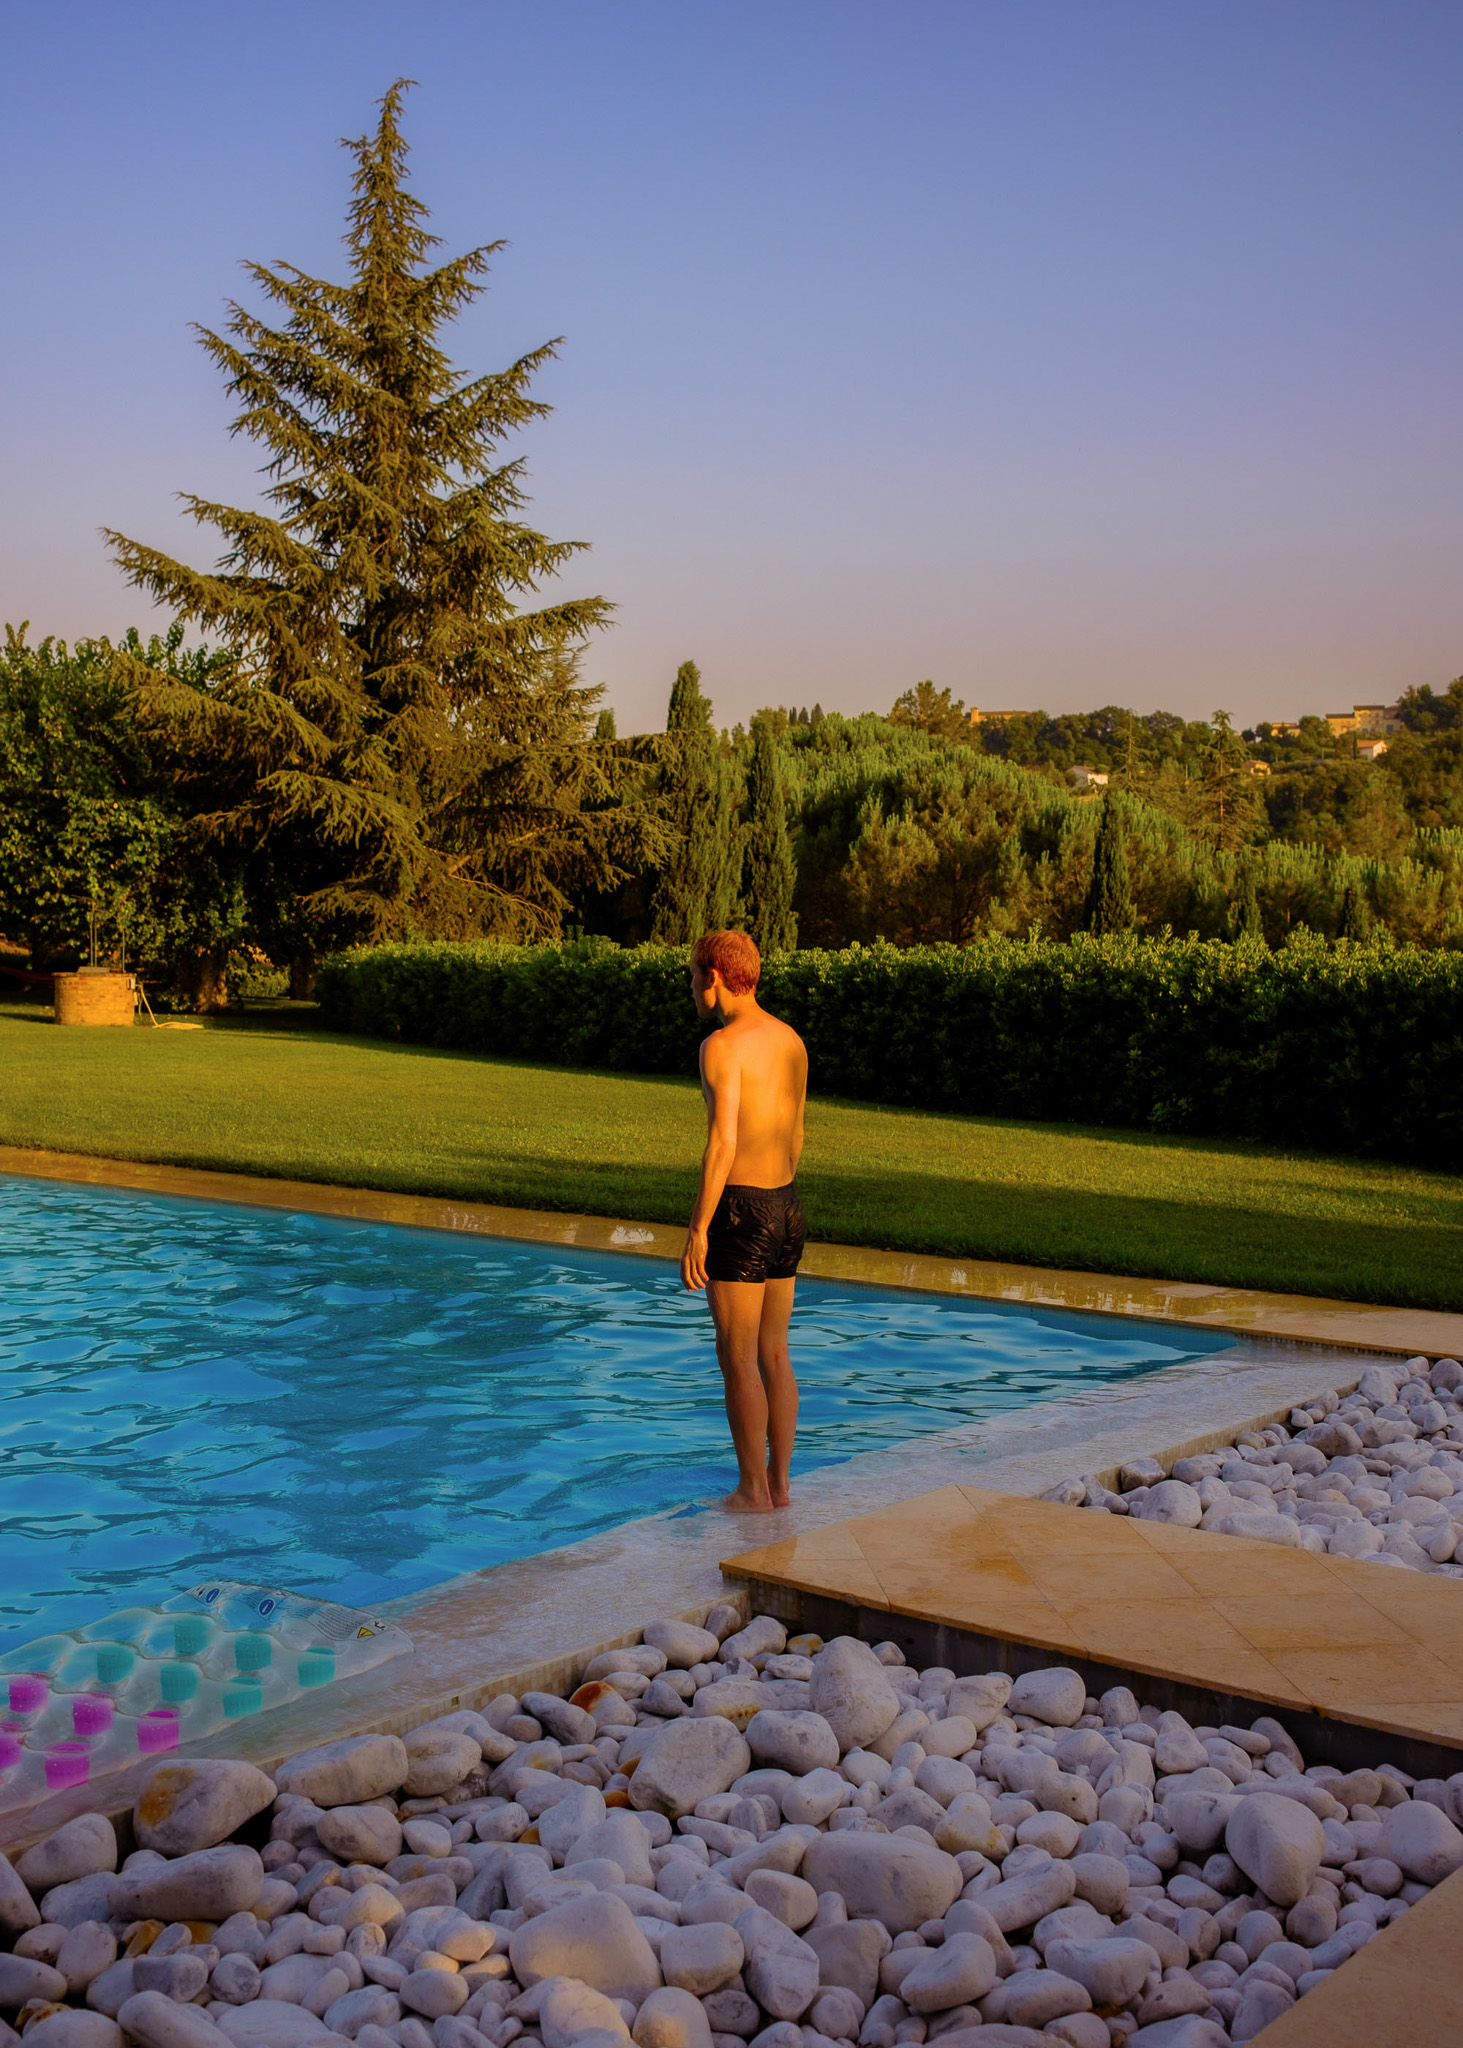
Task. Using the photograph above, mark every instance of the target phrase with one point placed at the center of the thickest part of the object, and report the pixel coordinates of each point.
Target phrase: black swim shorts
(756, 1234)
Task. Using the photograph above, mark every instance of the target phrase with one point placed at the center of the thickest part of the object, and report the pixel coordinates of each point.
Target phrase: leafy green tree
(696, 887)
(1109, 907)
(604, 725)
(1423, 711)
(1346, 806)
(769, 872)
(932, 711)
(409, 743)
(89, 820)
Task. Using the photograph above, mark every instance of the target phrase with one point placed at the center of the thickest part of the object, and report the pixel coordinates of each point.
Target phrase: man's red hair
(734, 956)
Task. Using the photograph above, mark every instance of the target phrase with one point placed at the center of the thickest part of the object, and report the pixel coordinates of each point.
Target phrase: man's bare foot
(743, 1502)
(781, 1492)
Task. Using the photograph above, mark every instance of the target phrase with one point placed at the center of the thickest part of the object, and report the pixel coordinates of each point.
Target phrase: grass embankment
(269, 1097)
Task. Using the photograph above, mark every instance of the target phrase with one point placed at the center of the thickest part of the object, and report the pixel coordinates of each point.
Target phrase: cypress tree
(1356, 915)
(408, 744)
(769, 873)
(696, 888)
(604, 725)
(1244, 916)
(1109, 906)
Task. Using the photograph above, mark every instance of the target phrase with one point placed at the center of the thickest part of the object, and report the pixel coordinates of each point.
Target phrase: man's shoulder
(786, 1033)
(717, 1049)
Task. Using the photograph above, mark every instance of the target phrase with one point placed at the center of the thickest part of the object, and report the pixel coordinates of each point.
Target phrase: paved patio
(1328, 1639)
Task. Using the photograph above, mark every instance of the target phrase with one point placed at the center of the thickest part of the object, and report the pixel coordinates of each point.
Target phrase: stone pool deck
(1340, 1649)
(1330, 1639)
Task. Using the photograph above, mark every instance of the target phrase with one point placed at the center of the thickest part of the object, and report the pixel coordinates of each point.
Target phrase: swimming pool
(358, 1410)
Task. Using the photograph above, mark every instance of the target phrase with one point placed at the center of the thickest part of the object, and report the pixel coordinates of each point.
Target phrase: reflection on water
(358, 1410)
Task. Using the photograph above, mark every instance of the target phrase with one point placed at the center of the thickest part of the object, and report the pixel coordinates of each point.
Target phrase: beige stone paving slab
(1309, 1633)
(1403, 1990)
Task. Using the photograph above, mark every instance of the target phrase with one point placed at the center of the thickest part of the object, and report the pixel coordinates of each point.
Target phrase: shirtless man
(747, 1228)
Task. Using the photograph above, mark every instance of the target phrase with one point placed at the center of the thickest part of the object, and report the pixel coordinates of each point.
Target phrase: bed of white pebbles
(1376, 1474)
(728, 1838)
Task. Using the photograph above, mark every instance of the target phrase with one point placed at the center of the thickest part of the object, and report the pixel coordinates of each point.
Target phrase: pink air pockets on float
(68, 1763)
(86, 1702)
(91, 1714)
(157, 1730)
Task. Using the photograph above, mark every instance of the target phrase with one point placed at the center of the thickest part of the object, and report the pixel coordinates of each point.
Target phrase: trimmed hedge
(1340, 1048)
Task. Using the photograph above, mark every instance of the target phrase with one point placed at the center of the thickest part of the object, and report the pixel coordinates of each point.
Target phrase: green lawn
(273, 1095)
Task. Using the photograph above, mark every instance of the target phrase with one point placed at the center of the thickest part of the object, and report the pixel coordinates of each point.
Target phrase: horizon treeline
(809, 828)
(384, 733)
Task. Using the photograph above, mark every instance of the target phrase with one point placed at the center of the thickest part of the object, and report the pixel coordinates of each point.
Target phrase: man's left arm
(795, 1147)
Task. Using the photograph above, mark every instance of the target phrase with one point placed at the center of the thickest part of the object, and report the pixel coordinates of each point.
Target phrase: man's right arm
(721, 1084)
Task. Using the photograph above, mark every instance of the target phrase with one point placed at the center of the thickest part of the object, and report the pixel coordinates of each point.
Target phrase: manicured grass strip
(273, 1099)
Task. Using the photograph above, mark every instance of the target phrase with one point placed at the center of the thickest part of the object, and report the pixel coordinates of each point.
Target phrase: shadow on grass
(269, 1022)
(1412, 1264)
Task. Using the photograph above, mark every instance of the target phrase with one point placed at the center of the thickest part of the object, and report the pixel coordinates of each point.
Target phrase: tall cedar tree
(769, 873)
(408, 740)
(695, 891)
(1109, 906)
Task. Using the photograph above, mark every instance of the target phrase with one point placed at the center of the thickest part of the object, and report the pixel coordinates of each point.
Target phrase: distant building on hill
(1364, 718)
(1089, 778)
(979, 717)
(1258, 767)
(1361, 718)
(1368, 750)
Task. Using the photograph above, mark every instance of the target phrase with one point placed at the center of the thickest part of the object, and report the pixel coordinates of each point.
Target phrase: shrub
(1343, 1048)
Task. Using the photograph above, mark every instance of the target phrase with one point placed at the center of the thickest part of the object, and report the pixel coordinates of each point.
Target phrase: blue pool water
(351, 1409)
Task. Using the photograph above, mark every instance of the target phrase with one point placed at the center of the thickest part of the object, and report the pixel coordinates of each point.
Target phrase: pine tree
(932, 711)
(696, 888)
(769, 873)
(604, 725)
(407, 742)
(1109, 906)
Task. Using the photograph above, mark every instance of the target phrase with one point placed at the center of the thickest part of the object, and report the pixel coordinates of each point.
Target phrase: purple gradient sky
(1065, 352)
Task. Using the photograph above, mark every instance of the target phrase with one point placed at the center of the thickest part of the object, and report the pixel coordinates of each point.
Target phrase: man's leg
(779, 1386)
(736, 1310)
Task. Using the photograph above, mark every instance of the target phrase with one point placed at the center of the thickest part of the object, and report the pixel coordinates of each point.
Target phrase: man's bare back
(747, 1229)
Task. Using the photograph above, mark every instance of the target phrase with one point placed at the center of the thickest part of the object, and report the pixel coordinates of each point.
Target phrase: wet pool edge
(1238, 1311)
(535, 1621)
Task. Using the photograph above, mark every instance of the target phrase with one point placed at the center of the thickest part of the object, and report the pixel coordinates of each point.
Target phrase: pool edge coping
(1236, 1311)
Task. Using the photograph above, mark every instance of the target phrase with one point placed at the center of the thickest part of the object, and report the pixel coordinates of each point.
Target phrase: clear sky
(1065, 351)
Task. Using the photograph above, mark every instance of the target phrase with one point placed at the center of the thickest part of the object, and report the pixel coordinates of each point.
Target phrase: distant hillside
(915, 836)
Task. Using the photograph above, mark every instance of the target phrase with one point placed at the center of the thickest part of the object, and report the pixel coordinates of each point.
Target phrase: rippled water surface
(357, 1410)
